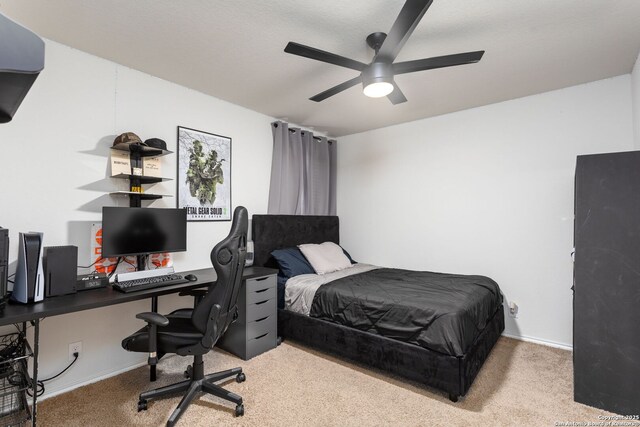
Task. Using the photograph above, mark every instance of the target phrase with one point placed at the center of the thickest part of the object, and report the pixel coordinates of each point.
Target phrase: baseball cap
(127, 138)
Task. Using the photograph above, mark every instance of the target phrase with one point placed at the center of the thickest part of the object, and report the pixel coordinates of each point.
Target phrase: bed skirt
(450, 374)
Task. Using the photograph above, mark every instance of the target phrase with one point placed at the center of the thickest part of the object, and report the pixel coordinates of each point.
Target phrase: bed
(447, 364)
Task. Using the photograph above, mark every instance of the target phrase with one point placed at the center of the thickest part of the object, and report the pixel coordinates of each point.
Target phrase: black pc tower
(4, 265)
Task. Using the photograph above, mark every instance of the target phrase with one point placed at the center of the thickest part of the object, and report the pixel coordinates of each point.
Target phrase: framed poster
(204, 175)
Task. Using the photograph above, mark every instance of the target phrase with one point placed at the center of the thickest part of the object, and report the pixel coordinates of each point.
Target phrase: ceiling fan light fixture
(377, 80)
(378, 89)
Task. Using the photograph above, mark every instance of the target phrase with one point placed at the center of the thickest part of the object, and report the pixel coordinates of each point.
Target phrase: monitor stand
(140, 260)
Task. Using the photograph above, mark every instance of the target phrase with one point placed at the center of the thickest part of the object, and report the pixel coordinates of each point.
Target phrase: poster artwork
(204, 175)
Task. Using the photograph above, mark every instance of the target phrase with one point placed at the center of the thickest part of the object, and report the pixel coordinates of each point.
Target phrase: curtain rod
(302, 133)
(275, 125)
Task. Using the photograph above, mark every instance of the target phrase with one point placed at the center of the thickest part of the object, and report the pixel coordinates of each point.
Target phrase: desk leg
(152, 366)
(36, 339)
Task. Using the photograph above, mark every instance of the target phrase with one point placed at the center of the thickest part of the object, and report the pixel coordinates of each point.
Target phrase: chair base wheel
(240, 378)
(142, 405)
(453, 398)
(239, 410)
(188, 372)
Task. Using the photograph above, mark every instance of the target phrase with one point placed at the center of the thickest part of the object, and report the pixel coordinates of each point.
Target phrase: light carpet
(520, 384)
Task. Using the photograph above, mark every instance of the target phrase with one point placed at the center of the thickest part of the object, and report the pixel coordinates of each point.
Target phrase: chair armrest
(153, 318)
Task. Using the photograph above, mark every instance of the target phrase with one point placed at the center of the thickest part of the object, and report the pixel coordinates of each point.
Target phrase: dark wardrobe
(606, 304)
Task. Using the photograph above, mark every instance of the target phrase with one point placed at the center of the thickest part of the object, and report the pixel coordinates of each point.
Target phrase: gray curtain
(303, 173)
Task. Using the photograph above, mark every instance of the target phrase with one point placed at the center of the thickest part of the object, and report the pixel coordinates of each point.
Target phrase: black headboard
(271, 232)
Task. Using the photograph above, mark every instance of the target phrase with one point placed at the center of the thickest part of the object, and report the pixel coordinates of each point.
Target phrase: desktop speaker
(4, 266)
(60, 265)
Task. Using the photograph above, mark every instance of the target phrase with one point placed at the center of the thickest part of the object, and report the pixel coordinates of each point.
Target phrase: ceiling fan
(377, 76)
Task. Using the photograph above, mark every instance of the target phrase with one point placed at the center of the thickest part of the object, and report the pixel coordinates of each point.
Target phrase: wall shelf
(136, 153)
(143, 179)
(142, 196)
(141, 150)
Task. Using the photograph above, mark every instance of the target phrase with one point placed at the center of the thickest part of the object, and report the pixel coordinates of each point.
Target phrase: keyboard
(149, 283)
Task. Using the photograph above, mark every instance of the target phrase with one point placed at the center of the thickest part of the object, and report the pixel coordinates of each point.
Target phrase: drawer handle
(262, 302)
(261, 336)
(260, 320)
(260, 279)
(262, 290)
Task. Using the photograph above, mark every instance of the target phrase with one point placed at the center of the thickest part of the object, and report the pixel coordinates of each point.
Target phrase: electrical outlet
(75, 347)
(513, 310)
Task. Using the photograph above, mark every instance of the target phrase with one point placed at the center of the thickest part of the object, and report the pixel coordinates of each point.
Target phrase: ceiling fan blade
(336, 89)
(396, 97)
(321, 55)
(437, 62)
(406, 22)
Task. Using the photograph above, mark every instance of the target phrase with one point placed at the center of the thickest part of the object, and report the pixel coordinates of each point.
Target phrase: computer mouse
(191, 277)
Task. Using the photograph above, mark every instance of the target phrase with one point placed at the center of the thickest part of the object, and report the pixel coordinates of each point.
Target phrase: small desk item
(91, 281)
(255, 330)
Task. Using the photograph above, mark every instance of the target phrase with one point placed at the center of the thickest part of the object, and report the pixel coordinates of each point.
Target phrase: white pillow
(325, 257)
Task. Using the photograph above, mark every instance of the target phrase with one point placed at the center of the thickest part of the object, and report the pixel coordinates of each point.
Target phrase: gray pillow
(326, 257)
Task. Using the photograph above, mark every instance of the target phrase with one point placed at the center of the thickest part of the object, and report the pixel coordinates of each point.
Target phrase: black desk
(96, 298)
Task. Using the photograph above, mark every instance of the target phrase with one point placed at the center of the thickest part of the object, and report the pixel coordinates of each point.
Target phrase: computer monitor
(139, 231)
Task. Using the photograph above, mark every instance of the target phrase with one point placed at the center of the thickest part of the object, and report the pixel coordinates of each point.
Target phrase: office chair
(194, 332)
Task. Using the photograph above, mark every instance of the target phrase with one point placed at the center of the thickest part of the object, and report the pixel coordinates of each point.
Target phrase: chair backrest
(227, 258)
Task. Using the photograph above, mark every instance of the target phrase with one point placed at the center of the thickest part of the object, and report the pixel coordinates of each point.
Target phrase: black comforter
(441, 312)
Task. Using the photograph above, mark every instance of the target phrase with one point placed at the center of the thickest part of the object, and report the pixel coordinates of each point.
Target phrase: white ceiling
(233, 49)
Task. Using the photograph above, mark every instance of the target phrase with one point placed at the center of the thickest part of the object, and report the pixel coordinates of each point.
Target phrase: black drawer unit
(255, 330)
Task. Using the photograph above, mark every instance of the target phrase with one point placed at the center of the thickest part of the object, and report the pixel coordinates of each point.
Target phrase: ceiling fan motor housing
(377, 72)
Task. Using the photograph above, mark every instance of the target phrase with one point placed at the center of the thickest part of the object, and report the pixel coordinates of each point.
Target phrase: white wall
(635, 93)
(484, 191)
(54, 168)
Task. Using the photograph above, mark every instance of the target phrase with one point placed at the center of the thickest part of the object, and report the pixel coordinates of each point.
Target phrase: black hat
(156, 143)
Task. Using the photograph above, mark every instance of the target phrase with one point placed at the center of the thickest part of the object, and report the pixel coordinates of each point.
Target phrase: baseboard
(539, 341)
(91, 381)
